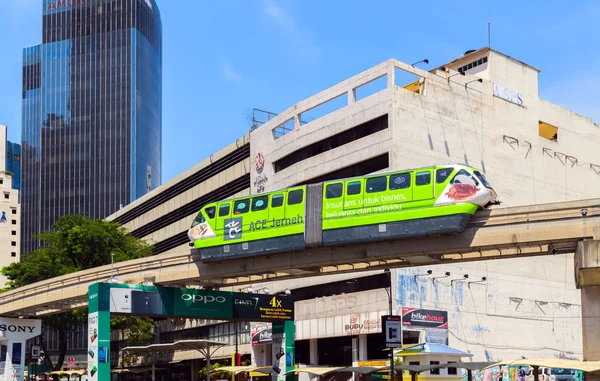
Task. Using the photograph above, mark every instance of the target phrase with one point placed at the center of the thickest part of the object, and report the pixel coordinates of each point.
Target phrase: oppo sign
(204, 299)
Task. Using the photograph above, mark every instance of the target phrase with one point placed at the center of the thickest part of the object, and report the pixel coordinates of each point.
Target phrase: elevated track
(545, 229)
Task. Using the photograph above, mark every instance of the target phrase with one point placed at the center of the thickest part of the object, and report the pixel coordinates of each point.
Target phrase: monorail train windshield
(484, 181)
(199, 219)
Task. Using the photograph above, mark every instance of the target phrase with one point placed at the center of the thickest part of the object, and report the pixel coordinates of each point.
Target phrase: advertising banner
(392, 330)
(419, 317)
(261, 307)
(98, 344)
(107, 298)
(263, 337)
(202, 303)
(436, 335)
(160, 301)
(283, 350)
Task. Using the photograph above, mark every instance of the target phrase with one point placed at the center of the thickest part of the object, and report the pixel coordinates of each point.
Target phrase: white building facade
(10, 213)
(492, 118)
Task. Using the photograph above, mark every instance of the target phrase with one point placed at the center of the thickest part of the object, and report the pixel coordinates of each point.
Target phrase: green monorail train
(386, 206)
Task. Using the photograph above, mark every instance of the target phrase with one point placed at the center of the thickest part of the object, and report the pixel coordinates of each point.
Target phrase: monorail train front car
(467, 185)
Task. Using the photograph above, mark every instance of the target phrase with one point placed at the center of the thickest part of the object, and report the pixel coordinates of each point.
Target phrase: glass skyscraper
(92, 111)
(13, 162)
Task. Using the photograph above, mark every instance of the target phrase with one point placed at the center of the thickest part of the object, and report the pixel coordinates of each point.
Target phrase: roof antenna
(489, 36)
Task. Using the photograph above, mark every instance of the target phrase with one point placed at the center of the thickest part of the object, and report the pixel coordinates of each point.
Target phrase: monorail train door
(423, 185)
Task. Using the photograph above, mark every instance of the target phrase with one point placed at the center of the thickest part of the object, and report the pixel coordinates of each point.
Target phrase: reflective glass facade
(13, 162)
(92, 111)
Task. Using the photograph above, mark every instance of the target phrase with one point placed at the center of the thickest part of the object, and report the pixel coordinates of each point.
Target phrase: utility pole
(235, 361)
(388, 272)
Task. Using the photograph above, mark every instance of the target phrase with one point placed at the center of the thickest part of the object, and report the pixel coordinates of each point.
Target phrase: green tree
(77, 243)
(135, 331)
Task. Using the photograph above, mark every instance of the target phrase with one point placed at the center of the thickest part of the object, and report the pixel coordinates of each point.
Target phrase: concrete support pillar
(195, 368)
(314, 358)
(391, 75)
(590, 320)
(354, 349)
(296, 122)
(362, 348)
(351, 96)
(587, 278)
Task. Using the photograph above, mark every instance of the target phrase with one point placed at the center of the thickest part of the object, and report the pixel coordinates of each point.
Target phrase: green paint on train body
(353, 203)
(244, 219)
(401, 195)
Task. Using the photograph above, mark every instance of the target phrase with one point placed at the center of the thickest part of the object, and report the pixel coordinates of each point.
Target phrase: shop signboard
(263, 337)
(418, 317)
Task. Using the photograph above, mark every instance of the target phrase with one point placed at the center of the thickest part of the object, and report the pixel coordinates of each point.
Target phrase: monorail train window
(260, 203)
(401, 181)
(423, 178)
(333, 190)
(464, 177)
(224, 210)
(353, 188)
(442, 174)
(277, 200)
(210, 212)
(241, 206)
(376, 184)
(295, 197)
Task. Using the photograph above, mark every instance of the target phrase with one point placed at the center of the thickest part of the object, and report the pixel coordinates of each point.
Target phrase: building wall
(456, 120)
(450, 119)
(10, 214)
(526, 307)
(223, 174)
(351, 314)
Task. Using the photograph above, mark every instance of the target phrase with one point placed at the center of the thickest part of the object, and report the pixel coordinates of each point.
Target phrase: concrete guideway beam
(501, 233)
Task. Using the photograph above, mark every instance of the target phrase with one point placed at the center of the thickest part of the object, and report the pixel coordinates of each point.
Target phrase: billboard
(418, 317)
(161, 301)
(263, 337)
(392, 329)
(14, 333)
(262, 307)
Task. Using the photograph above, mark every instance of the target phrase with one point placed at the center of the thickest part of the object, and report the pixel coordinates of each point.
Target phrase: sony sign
(20, 329)
(15, 332)
(16, 328)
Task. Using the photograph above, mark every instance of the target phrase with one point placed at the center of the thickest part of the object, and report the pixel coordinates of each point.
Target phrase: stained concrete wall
(527, 307)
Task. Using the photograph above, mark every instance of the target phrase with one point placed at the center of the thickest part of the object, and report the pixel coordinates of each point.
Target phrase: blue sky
(221, 58)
